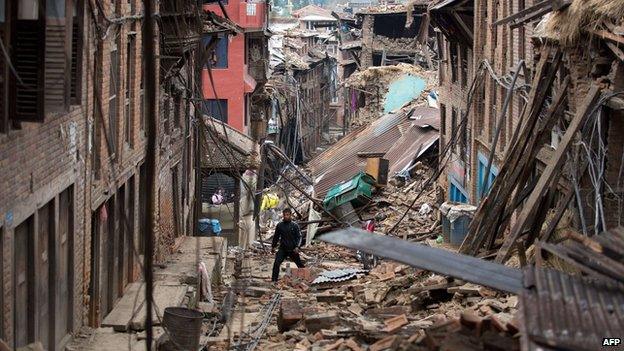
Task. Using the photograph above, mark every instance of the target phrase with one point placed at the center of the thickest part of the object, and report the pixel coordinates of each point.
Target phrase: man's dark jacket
(288, 235)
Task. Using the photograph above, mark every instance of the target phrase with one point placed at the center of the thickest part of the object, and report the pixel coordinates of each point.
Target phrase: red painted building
(239, 64)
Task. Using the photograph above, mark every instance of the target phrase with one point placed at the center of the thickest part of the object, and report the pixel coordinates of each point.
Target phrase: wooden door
(45, 232)
(109, 264)
(122, 248)
(129, 230)
(23, 310)
(64, 263)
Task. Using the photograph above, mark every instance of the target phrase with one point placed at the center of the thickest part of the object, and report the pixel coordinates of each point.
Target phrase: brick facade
(72, 150)
(502, 49)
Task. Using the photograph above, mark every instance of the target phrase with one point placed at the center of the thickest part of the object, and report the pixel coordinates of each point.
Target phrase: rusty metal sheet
(433, 259)
(399, 136)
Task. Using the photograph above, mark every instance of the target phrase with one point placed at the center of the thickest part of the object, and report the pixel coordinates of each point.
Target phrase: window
(464, 65)
(454, 61)
(463, 144)
(23, 283)
(166, 113)
(457, 193)
(57, 57)
(142, 97)
(443, 118)
(55, 8)
(177, 110)
(493, 109)
(129, 98)
(4, 122)
(75, 89)
(217, 109)
(521, 34)
(442, 64)
(28, 57)
(113, 101)
(495, 28)
(484, 187)
(219, 58)
(453, 122)
(247, 110)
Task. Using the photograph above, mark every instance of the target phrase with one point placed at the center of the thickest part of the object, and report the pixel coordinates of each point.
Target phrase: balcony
(252, 14)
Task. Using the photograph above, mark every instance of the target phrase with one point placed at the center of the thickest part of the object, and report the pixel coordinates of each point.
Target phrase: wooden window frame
(177, 110)
(17, 92)
(4, 69)
(454, 61)
(129, 90)
(77, 38)
(113, 99)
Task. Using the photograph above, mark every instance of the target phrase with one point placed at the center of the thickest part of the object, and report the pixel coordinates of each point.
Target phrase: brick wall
(40, 160)
(502, 49)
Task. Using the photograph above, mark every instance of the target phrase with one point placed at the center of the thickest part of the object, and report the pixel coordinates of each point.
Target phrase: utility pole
(151, 120)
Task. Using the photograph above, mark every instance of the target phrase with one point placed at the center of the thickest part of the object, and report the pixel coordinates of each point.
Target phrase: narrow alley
(328, 175)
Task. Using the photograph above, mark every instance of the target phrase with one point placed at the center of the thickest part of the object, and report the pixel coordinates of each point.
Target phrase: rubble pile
(393, 200)
(374, 83)
(335, 305)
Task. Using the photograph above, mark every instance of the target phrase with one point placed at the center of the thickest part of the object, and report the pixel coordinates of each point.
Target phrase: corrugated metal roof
(562, 312)
(400, 138)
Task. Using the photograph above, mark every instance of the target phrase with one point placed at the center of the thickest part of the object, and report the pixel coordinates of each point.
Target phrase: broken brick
(387, 312)
(290, 313)
(387, 343)
(329, 297)
(500, 320)
(395, 323)
(351, 344)
(334, 346)
(301, 273)
(317, 322)
(471, 320)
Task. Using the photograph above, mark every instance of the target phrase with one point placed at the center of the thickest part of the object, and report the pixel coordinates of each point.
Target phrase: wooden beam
(552, 171)
(562, 205)
(607, 35)
(616, 51)
(463, 25)
(484, 228)
(523, 13)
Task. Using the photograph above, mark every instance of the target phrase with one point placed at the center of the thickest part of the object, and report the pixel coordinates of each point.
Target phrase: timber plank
(119, 318)
(164, 296)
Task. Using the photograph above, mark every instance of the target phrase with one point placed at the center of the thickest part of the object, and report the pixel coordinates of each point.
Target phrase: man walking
(288, 235)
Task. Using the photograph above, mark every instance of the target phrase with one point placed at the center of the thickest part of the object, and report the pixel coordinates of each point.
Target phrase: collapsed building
(396, 33)
(486, 104)
(303, 86)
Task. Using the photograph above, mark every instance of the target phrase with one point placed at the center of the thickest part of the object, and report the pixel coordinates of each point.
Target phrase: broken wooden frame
(532, 13)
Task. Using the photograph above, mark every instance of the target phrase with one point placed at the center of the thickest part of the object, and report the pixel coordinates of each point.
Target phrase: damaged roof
(397, 136)
(226, 147)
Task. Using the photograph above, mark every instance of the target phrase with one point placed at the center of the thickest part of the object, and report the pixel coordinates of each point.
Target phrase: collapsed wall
(379, 90)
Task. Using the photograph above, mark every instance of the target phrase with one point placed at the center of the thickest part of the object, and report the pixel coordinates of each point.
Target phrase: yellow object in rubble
(269, 201)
